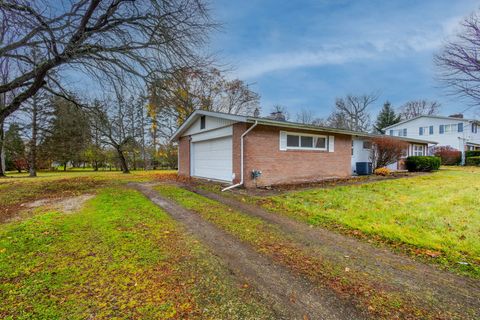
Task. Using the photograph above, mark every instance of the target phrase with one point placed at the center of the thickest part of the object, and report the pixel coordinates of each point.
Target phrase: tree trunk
(123, 161)
(2, 152)
(65, 166)
(33, 143)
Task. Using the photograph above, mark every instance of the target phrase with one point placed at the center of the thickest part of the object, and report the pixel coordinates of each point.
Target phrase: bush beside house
(448, 156)
(473, 161)
(472, 153)
(472, 158)
(422, 163)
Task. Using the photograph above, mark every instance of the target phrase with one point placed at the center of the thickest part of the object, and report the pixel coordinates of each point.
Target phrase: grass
(269, 240)
(119, 257)
(436, 216)
(18, 189)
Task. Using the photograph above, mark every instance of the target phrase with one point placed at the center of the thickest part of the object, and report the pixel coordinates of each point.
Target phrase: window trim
(299, 135)
(422, 150)
(203, 122)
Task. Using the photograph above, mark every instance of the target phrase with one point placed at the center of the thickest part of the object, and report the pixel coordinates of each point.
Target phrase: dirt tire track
(292, 297)
(451, 292)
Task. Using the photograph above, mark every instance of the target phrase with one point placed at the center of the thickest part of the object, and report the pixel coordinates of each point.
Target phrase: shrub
(422, 163)
(473, 161)
(382, 171)
(472, 153)
(386, 150)
(449, 156)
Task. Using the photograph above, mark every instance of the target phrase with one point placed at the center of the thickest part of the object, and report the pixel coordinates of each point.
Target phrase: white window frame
(426, 131)
(415, 151)
(299, 135)
(453, 128)
(398, 133)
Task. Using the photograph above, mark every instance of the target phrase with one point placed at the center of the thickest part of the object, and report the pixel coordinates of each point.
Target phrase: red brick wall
(184, 157)
(262, 152)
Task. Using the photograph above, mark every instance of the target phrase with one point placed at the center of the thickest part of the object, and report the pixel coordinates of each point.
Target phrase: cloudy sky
(303, 54)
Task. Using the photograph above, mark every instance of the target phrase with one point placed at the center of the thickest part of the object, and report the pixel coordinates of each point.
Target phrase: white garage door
(212, 159)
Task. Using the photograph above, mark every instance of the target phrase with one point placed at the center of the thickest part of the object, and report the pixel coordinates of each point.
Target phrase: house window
(367, 145)
(449, 128)
(292, 141)
(202, 122)
(474, 128)
(424, 131)
(306, 142)
(399, 133)
(417, 150)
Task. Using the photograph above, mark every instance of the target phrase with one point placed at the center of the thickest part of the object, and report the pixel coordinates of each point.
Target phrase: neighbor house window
(399, 133)
(202, 122)
(474, 128)
(417, 150)
(306, 141)
(450, 128)
(425, 131)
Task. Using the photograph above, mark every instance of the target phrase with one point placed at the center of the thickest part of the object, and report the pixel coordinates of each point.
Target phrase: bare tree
(459, 60)
(237, 98)
(416, 108)
(121, 40)
(37, 112)
(386, 150)
(305, 116)
(111, 126)
(279, 112)
(351, 112)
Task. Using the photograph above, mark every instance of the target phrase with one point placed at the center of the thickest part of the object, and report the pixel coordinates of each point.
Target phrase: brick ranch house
(230, 148)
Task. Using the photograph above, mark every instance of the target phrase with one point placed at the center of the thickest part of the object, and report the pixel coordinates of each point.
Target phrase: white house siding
(445, 139)
(359, 154)
(211, 123)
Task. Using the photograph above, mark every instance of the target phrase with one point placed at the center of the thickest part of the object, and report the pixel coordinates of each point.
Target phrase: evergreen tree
(385, 118)
(14, 149)
(70, 133)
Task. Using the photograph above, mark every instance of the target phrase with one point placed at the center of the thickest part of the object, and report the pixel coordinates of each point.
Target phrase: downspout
(241, 158)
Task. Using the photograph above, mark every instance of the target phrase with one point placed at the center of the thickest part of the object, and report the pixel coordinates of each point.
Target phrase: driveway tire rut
(444, 290)
(291, 296)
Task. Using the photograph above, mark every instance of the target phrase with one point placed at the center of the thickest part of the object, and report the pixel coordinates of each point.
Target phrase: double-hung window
(301, 141)
(425, 131)
(417, 150)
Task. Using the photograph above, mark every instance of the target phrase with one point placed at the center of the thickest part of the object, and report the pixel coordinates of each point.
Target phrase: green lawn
(438, 213)
(366, 290)
(120, 257)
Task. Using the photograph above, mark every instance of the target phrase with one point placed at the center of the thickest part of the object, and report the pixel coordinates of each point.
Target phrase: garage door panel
(213, 159)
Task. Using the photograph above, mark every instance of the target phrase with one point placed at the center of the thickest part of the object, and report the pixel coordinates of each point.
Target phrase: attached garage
(212, 159)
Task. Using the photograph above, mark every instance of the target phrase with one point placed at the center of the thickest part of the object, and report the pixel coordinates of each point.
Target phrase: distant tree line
(122, 131)
(353, 112)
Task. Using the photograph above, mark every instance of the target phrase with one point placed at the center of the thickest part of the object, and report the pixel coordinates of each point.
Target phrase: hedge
(422, 163)
(472, 153)
(473, 161)
(448, 155)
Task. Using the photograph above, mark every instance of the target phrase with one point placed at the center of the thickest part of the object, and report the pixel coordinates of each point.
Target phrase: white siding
(445, 139)
(211, 123)
(359, 153)
(213, 134)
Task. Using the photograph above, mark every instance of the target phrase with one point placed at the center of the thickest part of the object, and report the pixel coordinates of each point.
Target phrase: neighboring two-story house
(454, 131)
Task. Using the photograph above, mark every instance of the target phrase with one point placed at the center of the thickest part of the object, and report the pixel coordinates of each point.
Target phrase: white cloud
(334, 55)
